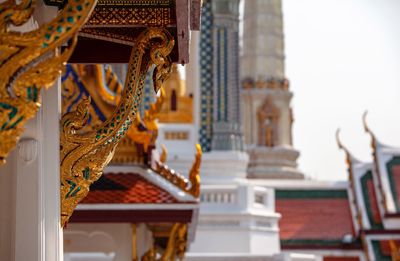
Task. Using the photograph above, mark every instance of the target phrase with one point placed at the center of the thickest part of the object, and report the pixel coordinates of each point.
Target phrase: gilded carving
(191, 186)
(129, 16)
(84, 155)
(176, 246)
(29, 62)
(103, 86)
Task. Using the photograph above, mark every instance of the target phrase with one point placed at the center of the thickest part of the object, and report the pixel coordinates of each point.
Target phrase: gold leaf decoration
(29, 62)
(84, 155)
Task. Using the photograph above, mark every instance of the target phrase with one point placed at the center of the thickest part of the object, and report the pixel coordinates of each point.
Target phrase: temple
(83, 179)
(153, 130)
(138, 199)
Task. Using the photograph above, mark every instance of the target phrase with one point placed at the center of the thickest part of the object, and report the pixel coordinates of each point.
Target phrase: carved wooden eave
(113, 26)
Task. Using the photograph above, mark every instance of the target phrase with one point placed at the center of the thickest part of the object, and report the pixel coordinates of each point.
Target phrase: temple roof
(126, 188)
(316, 218)
(135, 194)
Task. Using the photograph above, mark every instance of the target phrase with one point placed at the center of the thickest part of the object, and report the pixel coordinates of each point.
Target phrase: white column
(38, 235)
(30, 189)
(193, 80)
(30, 183)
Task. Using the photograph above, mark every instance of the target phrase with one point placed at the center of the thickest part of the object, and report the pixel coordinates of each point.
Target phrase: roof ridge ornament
(191, 185)
(28, 62)
(374, 141)
(374, 145)
(350, 158)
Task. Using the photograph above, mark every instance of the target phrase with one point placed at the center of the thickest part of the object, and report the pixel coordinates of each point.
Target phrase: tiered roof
(137, 187)
(313, 217)
(358, 221)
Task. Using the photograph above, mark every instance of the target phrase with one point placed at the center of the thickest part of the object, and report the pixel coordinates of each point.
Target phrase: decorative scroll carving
(28, 62)
(84, 155)
(176, 246)
(129, 16)
(191, 186)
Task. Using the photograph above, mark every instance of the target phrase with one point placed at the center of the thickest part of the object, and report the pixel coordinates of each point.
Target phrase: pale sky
(342, 58)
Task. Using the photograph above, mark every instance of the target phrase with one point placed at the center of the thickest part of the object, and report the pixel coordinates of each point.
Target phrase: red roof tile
(373, 202)
(128, 188)
(314, 218)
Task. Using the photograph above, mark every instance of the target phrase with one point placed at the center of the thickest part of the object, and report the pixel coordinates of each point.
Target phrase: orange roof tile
(128, 188)
(314, 215)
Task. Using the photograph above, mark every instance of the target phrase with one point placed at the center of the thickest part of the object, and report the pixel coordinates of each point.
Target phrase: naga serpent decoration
(84, 155)
(29, 61)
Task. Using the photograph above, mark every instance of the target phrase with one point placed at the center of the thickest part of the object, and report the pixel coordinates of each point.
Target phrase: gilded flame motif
(84, 155)
(176, 246)
(191, 186)
(28, 62)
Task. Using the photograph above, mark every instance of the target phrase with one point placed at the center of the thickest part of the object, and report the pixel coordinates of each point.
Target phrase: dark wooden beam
(131, 216)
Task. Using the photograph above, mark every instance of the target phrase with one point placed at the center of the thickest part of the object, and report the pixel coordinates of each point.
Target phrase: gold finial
(338, 141)
(194, 175)
(365, 124)
(368, 130)
(164, 154)
(346, 151)
(350, 159)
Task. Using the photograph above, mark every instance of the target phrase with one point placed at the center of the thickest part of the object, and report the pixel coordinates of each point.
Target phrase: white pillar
(193, 80)
(37, 232)
(32, 179)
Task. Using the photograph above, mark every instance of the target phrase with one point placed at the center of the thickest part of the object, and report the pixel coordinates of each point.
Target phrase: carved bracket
(176, 246)
(28, 62)
(84, 155)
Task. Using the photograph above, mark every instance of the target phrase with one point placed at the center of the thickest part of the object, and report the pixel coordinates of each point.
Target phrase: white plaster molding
(28, 150)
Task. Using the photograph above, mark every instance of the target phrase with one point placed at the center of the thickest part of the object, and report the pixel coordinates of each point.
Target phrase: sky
(342, 58)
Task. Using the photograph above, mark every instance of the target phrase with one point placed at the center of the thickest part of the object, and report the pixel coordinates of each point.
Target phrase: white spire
(263, 48)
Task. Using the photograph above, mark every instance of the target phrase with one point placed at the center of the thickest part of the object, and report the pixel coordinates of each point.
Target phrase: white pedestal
(238, 219)
(273, 163)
